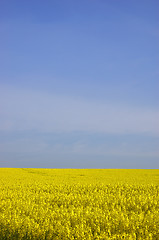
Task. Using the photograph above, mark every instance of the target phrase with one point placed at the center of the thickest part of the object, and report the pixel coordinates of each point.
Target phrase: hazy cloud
(23, 109)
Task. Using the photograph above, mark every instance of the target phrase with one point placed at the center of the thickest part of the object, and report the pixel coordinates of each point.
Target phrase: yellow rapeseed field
(79, 204)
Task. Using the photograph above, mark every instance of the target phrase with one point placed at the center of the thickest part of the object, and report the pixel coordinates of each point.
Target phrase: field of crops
(79, 204)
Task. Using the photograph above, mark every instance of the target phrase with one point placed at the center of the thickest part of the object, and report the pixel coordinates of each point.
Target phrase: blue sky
(79, 84)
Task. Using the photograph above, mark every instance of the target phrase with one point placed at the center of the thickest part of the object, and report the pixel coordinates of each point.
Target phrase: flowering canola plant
(79, 204)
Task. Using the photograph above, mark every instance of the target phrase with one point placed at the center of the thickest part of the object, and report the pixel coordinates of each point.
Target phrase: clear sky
(79, 83)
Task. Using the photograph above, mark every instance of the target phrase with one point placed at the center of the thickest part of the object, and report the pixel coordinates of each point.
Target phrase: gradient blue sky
(79, 84)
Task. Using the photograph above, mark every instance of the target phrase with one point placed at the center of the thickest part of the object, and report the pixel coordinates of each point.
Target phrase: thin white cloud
(38, 146)
(23, 109)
